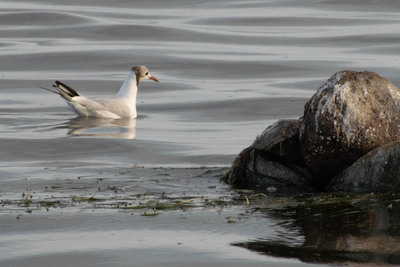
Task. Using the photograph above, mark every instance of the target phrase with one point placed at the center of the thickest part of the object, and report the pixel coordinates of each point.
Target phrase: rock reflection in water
(362, 229)
(100, 127)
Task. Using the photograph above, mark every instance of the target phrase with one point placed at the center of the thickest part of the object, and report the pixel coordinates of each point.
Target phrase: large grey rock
(377, 171)
(350, 115)
(273, 159)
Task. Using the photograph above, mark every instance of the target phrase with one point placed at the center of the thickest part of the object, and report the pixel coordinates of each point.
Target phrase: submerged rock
(377, 171)
(273, 160)
(350, 115)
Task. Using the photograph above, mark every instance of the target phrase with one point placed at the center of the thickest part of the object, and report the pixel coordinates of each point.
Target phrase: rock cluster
(352, 114)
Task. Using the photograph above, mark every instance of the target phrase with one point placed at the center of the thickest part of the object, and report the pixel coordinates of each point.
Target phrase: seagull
(123, 105)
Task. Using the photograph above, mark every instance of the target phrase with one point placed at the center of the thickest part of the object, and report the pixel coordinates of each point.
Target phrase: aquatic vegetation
(175, 204)
(27, 198)
(315, 227)
(85, 199)
(105, 194)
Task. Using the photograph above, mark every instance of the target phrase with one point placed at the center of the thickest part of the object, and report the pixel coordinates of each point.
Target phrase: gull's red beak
(153, 78)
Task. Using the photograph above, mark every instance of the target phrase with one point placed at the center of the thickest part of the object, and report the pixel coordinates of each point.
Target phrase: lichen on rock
(350, 115)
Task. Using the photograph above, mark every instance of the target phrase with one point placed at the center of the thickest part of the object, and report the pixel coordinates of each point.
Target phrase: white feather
(121, 106)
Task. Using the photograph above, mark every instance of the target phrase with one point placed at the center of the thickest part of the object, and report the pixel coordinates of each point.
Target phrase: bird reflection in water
(101, 127)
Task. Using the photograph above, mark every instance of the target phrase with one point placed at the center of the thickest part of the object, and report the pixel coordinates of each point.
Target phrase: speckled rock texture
(350, 115)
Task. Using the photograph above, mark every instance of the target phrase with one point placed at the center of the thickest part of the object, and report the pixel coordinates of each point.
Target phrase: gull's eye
(147, 73)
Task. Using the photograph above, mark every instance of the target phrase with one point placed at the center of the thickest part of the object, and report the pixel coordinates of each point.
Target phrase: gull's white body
(123, 105)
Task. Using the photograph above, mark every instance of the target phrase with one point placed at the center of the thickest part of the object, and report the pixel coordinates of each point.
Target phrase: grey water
(227, 70)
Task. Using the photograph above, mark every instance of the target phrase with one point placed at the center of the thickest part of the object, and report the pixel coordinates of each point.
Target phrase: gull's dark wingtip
(65, 91)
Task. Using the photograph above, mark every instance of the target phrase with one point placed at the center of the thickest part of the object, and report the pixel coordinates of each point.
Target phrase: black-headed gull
(123, 105)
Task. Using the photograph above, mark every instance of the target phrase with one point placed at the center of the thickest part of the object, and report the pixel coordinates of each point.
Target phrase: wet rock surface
(377, 171)
(273, 160)
(281, 140)
(350, 115)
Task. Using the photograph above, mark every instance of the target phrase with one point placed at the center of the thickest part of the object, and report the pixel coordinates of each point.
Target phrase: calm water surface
(146, 192)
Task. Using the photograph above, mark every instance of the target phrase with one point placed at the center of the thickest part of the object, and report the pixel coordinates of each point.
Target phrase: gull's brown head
(142, 73)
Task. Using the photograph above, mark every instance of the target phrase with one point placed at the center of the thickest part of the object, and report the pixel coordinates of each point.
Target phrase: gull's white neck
(129, 89)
